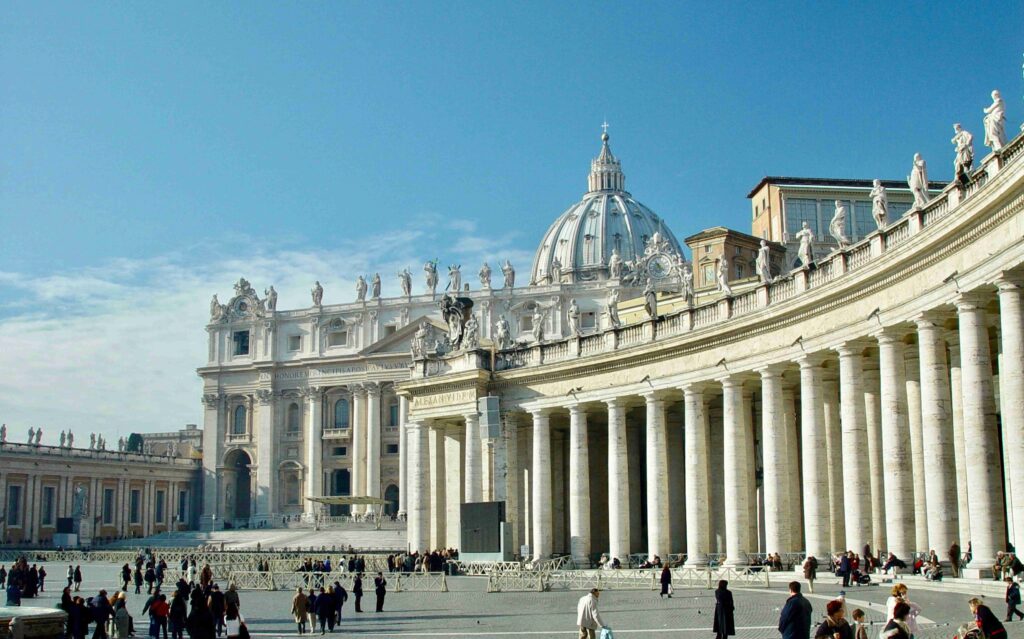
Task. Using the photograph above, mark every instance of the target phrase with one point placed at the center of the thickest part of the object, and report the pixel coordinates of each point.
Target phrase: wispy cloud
(113, 348)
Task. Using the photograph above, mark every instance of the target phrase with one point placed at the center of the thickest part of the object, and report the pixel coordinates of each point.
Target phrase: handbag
(243, 631)
(670, 591)
(606, 633)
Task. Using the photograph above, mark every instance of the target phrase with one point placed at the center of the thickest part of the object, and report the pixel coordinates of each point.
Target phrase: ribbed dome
(583, 237)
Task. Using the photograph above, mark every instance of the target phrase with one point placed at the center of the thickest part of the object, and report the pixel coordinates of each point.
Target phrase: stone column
(896, 454)
(474, 480)
(834, 464)
(1011, 392)
(579, 486)
(438, 482)
(213, 445)
(418, 530)
(658, 540)
(618, 482)
(774, 462)
(737, 530)
(514, 502)
(542, 511)
(314, 447)
(916, 428)
(856, 482)
(960, 458)
(403, 456)
(873, 424)
(265, 442)
(812, 446)
(373, 443)
(797, 538)
(695, 429)
(453, 485)
(358, 447)
(937, 437)
(981, 444)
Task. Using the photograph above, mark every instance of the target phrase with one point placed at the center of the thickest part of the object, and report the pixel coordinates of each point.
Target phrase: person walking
(158, 614)
(71, 574)
(101, 612)
(78, 578)
(324, 609)
(795, 618)
(986, 620)
(897, 628)
(340, 597)
(588, 619)
(121, 628)
(178, 615)
(725, 622)
(810, 571)
(234, 624)
(846, 568)
(835, 625)
(299, 604)
(1012, 599)
(138, 580)
(42, 579)
(380, 588)
(126, 577)
(357, 590)
(666, 582)
(217, 607)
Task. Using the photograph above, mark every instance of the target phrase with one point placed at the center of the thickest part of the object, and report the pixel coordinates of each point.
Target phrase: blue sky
(152, 153)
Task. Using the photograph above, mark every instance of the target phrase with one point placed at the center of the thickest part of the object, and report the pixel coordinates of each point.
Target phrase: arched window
(238, 424)
(391, 496)
(341, 413)
(293, 417)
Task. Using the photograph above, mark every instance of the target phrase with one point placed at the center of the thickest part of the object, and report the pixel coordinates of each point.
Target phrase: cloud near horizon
(113, 348)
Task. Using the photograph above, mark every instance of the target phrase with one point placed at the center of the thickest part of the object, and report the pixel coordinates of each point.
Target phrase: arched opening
(237, 488)
(341, 413)
(294, 416)
(341, 484)
(391, 496)
(238, 421)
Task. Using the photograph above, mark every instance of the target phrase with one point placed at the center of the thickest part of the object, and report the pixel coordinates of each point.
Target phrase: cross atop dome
(605, 170)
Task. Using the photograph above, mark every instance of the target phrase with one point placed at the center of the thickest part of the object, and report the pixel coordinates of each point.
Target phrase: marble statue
(613, 308)
(918, 181)
(485, 276)
(615, 265)
(723, 277)
(963, 162)
(556, 271)
(419, 340)
(92, 441)
(650, 299)
(243, 287)
(31, 435)
(3, 433)
(120, 444)
(375, 286)
(216, 309)
(837, 227)
(80, 504)
(763, 264)
(806, 237)
(510, 274)
(430, 268)
(63, 438)
(454, 278)
(503, 333)
(471, 334)
(71, 439)
(538, 324)
(573, 315)
(173, 449)
(405, 279)
(995, 123)
(879, 204)
(101, 443)
(456, 312)
(361, 289)
(39, 435)
(271, 298)
(318, 294)
(687, 284)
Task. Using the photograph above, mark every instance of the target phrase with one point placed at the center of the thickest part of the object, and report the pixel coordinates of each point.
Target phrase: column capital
(653, 397)
(471, 417)
(810, 360)
(313, 393)
(771, 371)
(372, 389)
(934, 318)
(694, 388)
(542, 411)
(971, 300)
(576, 408)
(730, 381)
(1009, 281)
(889, 335)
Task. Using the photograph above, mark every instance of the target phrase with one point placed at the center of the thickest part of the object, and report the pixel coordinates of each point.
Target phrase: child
(860, 631)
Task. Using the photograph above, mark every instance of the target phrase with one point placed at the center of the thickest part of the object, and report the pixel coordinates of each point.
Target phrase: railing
(705, 315)
(631, 335)
(936, 210)
(858, 255)
(336, 433)
(897, 233)
(744, 302)
(592, 344)
(233, 438)
(623, 579)
(556, 351)
(821, 275)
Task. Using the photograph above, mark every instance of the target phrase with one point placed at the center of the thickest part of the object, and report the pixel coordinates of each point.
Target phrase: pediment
(401, 340)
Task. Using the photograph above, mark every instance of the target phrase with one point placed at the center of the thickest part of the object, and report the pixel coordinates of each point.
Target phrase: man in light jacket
(587, 617)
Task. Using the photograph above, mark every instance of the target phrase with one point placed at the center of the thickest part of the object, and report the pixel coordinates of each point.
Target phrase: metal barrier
(623, 579)
(420, 582)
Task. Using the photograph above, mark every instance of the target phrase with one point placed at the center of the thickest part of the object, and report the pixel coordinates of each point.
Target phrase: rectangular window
(182, 502)
(799, 211)
(339, 451)
(709, 274)
(390, 330)
(158, 508)
(588, 320)
(49, 500)
(707, 249)
(337, 338)
(108, 506)
(14, 505)
(393, 415)
(898, 210)
(295, 343)
(864, 222)
(241, 341)
(391, 449)
(134, 514)
(526, 323)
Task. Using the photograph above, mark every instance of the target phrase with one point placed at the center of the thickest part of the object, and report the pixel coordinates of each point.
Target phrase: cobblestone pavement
(468, 611)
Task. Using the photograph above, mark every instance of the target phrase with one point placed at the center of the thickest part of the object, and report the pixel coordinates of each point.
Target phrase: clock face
(659, 266)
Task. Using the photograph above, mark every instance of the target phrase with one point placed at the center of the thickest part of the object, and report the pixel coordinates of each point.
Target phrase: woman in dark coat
(990, 625)
(666, 582)
(725, 624)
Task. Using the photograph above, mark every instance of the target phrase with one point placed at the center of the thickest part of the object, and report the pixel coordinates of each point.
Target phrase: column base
(735, 563)
(976, 573)
(700, 561)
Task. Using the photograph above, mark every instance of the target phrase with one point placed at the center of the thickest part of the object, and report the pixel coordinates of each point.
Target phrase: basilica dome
(580, 242)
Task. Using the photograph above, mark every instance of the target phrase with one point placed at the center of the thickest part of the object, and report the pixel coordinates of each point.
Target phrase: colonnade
(897, 439)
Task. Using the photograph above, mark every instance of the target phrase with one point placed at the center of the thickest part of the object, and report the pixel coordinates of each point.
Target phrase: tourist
(323, 608)
(340, 597)
(588, 619)
(897, 627)
(1002, 566)
(158, 614)
(13, 593)
(380, 588)
(78, 578)
(42, 579)
(987, 622)
(200, 624)
(78, 619)
(101, 612)
(954, 558)
(150, 579)
(894, 564)
(178, 615)
(126, 577)
(860, 631)
(725, 624)
(299, 610)
(71, 575)
(121, 628)
(357, 591)
(898, 595)
(835, 625)
(234, 624)
(666, 582)
(810, 571)
(311, 609)
(217, 607)
(1012, 599)
(795, 618)
(845, 568)
(231, 596)
(138, 580)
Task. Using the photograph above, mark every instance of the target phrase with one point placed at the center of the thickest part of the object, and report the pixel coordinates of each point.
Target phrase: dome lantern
(606, 170)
